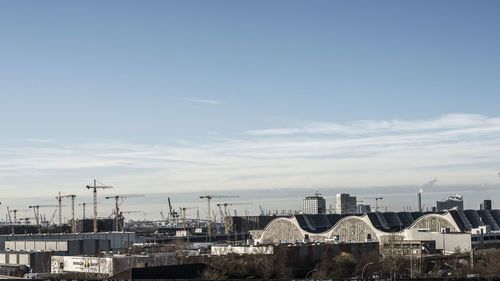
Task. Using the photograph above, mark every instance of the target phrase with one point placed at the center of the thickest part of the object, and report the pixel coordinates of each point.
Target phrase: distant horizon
(395, 198)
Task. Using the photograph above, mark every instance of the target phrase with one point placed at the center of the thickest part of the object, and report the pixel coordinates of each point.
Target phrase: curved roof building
(373, 226)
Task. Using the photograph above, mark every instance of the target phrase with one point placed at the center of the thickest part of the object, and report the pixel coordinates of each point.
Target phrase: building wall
(435, 222)
(360, 229)
(345, 204)
(314, 205)
(282, 229)
(448, 242)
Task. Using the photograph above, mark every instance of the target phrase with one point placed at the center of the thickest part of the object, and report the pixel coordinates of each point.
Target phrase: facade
(486, 205)
(62, 247)
(453, 202)
(118, 241)
(345, 204)
(107, 265)
(451, 230)
(36, 262)
(314, 204)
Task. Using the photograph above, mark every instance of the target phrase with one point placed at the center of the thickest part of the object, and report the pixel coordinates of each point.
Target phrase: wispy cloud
(457, 149)
(205, 101)
(445, 122)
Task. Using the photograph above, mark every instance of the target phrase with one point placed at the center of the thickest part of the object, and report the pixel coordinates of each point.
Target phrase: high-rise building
(486, 205)
(314, 204)
(454, 202)
(345, 204)
(363, 209)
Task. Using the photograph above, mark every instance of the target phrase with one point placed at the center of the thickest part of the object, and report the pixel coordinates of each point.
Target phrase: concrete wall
(448, 242)
(37, 261)
(218, 250)
(119, 241)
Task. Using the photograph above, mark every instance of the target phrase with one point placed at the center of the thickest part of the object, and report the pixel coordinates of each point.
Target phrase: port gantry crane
(183, 209)
(59, 199)
(172, 212)
(36, 211)
(117, 206)
(95, 187)
(210, 197)
(15, 211)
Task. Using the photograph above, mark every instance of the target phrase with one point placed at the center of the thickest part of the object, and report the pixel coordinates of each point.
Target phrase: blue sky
(230, 95)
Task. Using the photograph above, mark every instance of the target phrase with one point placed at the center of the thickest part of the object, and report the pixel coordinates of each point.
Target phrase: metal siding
(24, 259)
(12, 258)
(40, 246)
(62, 246)
(30, 245)
(20, 246)
(51, 245)
(10, 245)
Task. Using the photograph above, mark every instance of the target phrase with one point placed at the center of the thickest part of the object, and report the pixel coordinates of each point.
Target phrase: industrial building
(314, 204)
(453, 202)
(117, 241)
(450, 230)
(345, 204)
(107, 265)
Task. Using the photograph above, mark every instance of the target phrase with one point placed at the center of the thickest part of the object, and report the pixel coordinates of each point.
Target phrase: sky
(263, 99)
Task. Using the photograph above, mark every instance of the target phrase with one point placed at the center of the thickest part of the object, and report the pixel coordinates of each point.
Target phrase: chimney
(419, 201)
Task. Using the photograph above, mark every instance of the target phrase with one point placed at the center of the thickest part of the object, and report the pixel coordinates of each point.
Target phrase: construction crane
(210, 197)
(183, 209)
(59, 199)
(173, 213)
(95, 187)
(376, 201)
(15, 211)
(226, 214)
(83, 204)
(53, 216)
(36, 211)
(8, 213)
(117, 206)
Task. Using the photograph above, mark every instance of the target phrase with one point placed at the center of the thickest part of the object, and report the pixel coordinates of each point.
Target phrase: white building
(314, 204)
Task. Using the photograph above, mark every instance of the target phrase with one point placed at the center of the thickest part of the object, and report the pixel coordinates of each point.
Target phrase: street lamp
(456, 272)
(314, 270)
(363, 270)
(472, 257)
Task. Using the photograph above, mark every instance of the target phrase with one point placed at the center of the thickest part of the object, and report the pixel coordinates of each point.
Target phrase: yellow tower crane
(83, 204)
(59, 199)
(183, 209)
(210, 197)
(226, 226)
(95, 187)
(376, 201)
(117, 206)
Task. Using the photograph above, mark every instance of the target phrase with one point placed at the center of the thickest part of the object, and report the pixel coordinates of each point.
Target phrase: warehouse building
(117, 241)
(451, 229)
